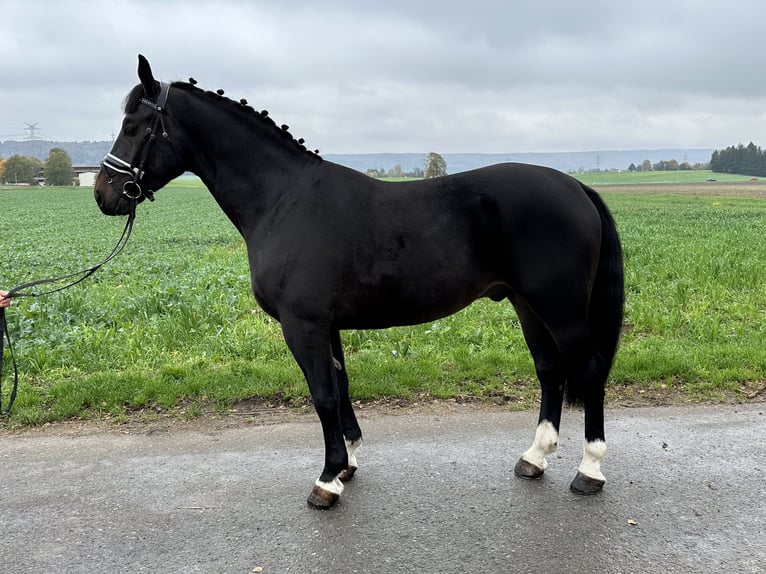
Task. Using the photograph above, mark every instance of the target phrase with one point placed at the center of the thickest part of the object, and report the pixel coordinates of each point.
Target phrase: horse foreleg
(351, 431)
(310, 345)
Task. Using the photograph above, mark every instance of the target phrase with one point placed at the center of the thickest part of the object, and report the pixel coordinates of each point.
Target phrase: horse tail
(605, 312)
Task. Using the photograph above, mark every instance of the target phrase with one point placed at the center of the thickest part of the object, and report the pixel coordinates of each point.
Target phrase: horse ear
(147, 78)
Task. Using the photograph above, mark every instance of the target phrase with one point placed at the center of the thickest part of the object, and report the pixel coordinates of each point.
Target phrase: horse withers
(331, 249)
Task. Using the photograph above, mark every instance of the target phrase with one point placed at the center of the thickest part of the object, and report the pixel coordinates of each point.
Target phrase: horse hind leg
(566, 361)
(587, 372)
(550, 372)
(589, 478)
(352, 434)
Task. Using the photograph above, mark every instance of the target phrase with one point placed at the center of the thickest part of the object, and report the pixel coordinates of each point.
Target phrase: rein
(131, 191)
(23, 291)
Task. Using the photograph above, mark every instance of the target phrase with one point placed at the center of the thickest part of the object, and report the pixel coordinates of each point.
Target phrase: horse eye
(130, 130)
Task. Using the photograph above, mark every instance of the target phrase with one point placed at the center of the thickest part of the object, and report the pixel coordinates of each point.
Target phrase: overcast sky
(405, 75)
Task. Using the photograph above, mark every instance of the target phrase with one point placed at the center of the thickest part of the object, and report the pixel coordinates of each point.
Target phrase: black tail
(604, 312)
(608, 294)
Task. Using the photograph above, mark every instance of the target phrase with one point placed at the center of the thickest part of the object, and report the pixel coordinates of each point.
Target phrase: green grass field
(614, 178)
(658, 177)
(171, 326)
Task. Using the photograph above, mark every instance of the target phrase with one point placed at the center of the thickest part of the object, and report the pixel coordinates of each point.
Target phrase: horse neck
(243, 159)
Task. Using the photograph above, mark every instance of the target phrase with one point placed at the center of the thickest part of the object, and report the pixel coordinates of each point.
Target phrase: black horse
(332, 249)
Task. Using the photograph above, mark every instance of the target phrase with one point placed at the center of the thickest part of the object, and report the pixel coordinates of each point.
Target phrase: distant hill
(91, 153)
(82, 153)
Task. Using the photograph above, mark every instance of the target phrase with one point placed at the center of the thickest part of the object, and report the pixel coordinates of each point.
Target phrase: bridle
(113, 164)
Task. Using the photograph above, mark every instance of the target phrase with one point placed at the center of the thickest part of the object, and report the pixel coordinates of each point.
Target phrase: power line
(32, 130)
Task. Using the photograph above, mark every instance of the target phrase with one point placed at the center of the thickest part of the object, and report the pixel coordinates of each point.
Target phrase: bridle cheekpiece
(131, 189)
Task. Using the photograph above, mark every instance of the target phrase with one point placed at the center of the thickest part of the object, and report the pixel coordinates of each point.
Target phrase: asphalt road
(685, 492)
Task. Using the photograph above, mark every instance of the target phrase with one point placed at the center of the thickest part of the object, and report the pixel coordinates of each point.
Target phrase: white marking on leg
(593, 454)
(546, 442)
(336, 486)
(351, 446)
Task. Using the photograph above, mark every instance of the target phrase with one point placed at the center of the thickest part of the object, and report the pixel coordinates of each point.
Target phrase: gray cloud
(491, 76)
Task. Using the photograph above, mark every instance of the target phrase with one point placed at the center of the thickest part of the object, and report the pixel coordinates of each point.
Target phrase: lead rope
(19, 291)
(5, 335)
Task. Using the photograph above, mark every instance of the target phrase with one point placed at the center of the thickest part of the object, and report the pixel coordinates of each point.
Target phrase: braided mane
(134, 97)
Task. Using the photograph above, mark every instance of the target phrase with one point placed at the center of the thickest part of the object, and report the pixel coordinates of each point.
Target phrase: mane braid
(240, 106)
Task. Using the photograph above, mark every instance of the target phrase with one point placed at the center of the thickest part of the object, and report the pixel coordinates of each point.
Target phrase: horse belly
(427, 272)
(409, 301)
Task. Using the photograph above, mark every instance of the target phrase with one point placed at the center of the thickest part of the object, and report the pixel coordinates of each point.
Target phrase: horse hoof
(527, 470)
(347, 474)
(585, 485)
(322, 499)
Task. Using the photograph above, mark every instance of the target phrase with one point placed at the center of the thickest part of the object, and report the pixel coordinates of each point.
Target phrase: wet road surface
(685, 492)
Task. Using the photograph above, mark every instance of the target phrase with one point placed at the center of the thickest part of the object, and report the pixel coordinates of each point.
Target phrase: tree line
(26, 170)
(741, 159)
(395, 171)
(435, 167)
(665, 165)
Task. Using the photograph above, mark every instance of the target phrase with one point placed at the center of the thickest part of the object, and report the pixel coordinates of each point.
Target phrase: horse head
(143, 158)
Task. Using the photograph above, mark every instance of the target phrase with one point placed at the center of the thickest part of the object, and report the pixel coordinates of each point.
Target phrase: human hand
(5, 302)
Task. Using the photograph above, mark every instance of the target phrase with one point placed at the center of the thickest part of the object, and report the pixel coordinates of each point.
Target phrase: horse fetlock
(546, 442)
(547, 437)
(593, 454)
(590, 479)
(351, 446)
(348, 473)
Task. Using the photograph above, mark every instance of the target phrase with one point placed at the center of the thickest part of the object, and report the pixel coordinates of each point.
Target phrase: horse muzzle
(113, 200)
(118, 186)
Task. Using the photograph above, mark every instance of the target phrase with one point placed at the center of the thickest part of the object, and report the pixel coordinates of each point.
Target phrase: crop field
(700, 178)
(170, 325)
